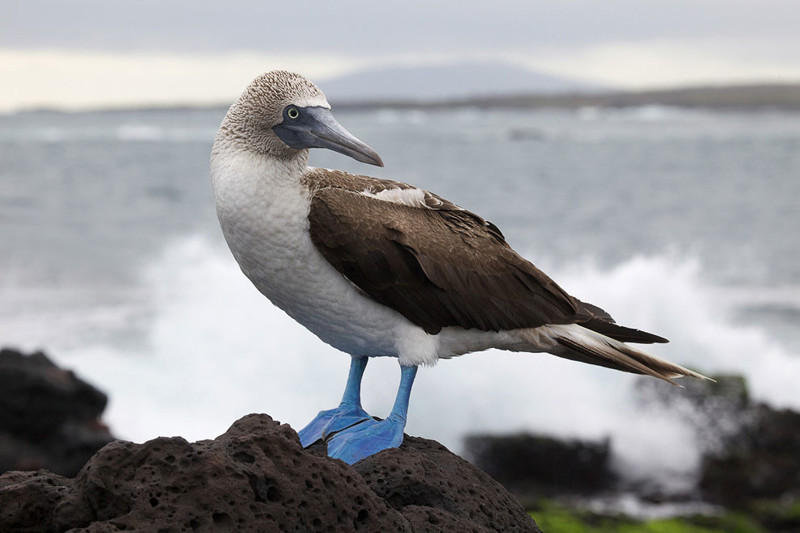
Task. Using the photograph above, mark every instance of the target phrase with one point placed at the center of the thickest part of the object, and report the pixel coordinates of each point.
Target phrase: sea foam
(214, 349)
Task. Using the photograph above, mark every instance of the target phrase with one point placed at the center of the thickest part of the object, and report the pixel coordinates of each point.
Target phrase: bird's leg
(356, 443)
(347, 414)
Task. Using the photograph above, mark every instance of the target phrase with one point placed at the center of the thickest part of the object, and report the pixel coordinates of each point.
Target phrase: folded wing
(440, 265)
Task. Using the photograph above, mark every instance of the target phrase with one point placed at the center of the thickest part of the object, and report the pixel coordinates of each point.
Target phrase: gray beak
(315, 127)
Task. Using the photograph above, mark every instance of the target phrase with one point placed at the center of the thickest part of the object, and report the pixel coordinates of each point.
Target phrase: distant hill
(785, 96)
(451, 81)
(743, 97)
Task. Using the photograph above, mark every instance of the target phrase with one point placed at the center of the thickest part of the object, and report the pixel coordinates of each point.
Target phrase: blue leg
(347, 414)
(372, 436)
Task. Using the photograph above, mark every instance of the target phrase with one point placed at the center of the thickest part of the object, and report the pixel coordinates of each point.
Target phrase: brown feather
(436, 263)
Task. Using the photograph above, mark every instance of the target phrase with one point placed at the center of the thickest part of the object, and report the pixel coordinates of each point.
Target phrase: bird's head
(282, 113)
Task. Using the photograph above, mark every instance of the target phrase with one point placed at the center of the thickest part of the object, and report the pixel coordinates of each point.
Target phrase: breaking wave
(213, 349)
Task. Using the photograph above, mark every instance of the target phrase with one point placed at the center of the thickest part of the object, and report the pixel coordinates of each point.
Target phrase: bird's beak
(315, 127)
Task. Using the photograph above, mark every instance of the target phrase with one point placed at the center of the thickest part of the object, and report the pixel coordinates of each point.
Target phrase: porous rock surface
(257, 477)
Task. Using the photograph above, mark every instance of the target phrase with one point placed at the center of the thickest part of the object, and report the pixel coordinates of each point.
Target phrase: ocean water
(684, 223)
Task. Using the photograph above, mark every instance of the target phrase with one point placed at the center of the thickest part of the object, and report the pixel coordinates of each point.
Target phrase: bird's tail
(575, 342)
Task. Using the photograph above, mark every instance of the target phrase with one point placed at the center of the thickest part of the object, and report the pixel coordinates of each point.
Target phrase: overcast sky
(106, 52)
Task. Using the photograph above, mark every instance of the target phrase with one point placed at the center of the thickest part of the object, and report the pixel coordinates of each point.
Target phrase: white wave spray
(216, 350)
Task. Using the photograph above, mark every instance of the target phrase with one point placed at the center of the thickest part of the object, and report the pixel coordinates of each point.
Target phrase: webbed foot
(329, 422)
(369, 437)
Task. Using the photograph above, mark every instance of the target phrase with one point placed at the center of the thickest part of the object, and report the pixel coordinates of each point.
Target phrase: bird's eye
(293, 113)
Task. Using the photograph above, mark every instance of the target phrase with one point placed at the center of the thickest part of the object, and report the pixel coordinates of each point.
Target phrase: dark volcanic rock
(257, 477)
(762, 462)
(751, 451)
(27, 500)
(535, 466)
(49, 417)
(438, 491)
(715, 410)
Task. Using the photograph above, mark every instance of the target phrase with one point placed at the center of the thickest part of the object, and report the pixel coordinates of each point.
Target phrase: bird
(381, 268)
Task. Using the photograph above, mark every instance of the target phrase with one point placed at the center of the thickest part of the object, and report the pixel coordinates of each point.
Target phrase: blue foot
(346, 415)
(357, 442)
(328, 422)
(353, 444)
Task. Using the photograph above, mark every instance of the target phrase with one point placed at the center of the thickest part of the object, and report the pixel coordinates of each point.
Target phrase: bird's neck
(261, 205)
(235, 166)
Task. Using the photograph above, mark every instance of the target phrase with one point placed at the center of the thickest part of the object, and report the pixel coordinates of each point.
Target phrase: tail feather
(622, 333)
(582, 344)
(596, 319)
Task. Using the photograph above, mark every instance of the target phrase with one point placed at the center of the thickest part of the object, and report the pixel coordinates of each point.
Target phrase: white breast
(263, 211)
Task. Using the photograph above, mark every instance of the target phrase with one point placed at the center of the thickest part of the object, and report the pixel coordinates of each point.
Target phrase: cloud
(665, 63)
(365, 27)
(73, 79)
(95, 53)
(86, 80)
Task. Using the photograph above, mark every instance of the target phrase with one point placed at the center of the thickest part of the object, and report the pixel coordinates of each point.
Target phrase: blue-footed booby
(375, 267)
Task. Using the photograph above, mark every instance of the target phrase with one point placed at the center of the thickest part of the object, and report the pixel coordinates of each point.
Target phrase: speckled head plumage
(250, 119)
(282, 114)
(269, 93)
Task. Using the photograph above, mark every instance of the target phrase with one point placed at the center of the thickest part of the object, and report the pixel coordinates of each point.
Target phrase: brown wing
(437, 267)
